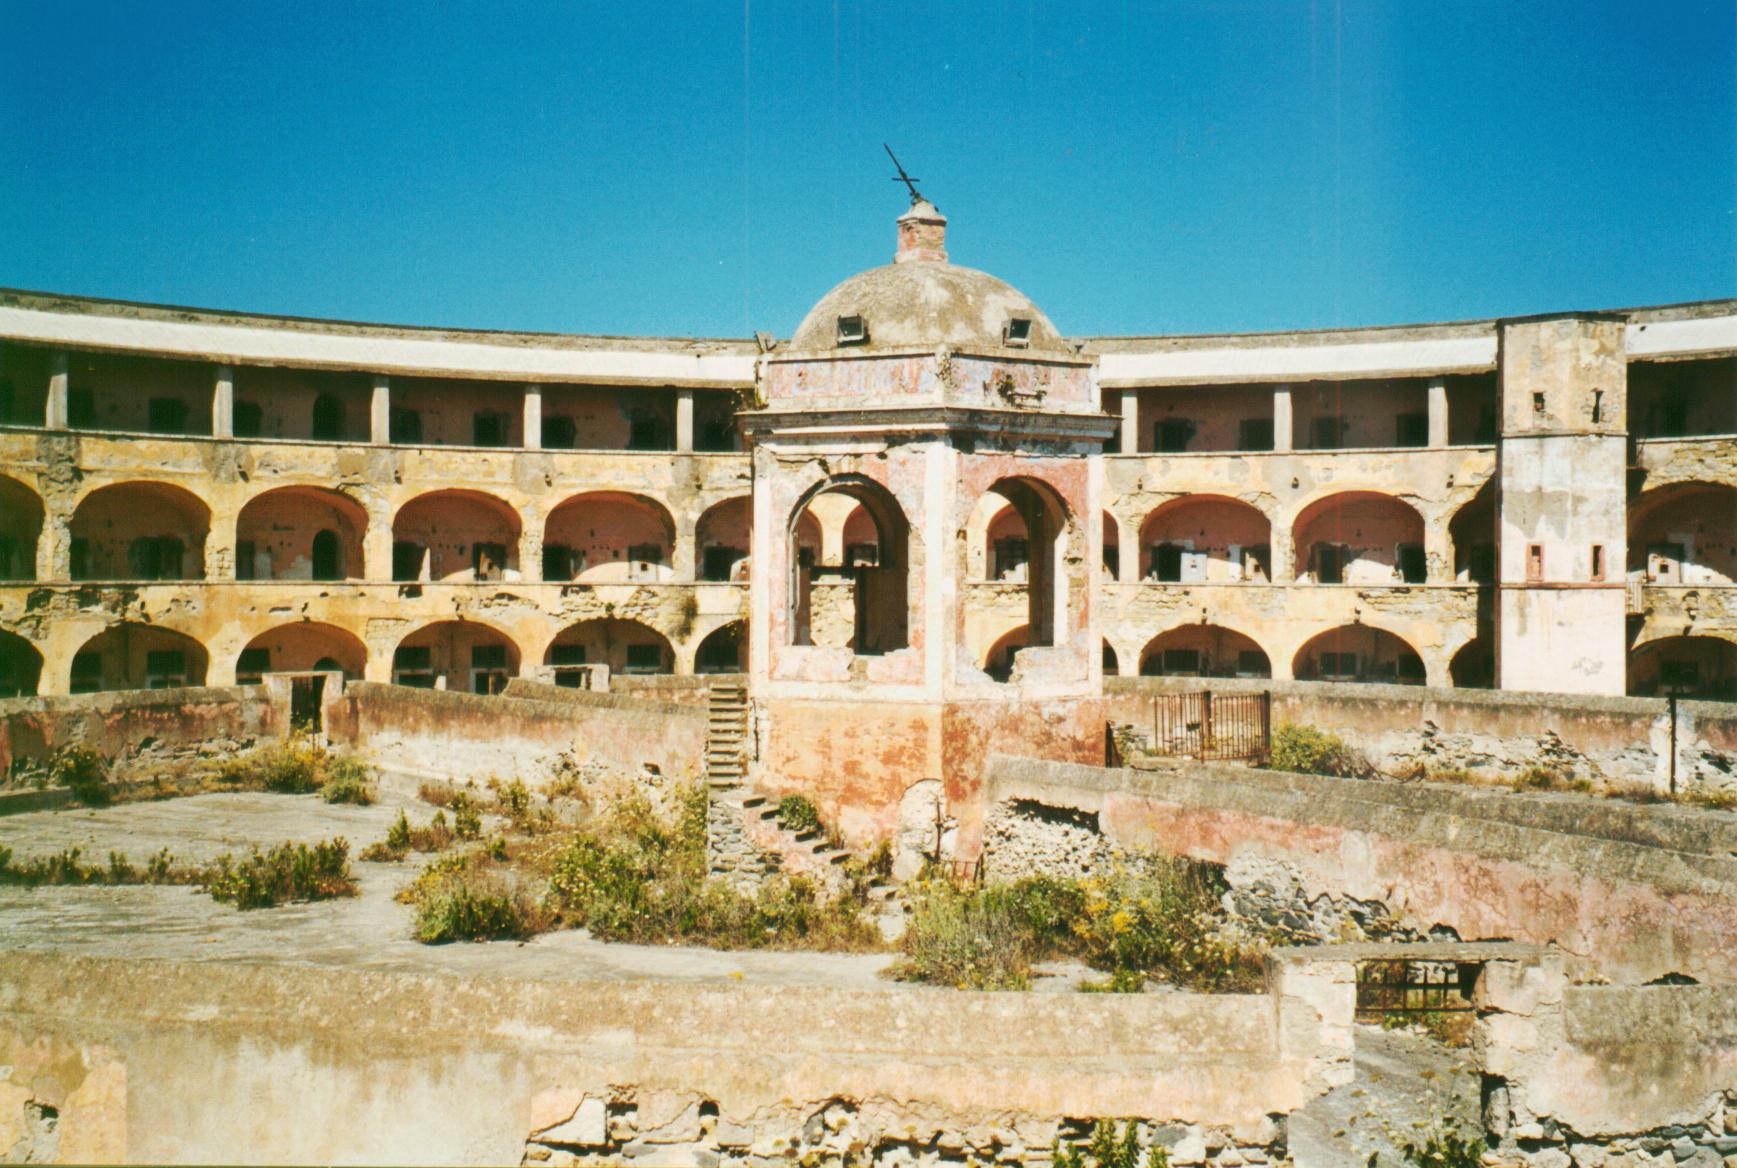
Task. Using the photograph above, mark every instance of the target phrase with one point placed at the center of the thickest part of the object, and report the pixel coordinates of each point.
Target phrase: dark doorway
(328, 556)
(305, 700)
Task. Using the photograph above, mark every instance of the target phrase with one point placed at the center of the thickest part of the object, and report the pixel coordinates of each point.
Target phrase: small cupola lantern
(922, 234)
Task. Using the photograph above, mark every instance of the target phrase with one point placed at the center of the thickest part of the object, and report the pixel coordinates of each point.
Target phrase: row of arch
(1702, 666)
(451, 654)
(151, 530)
(479, 658)
(1679, 533)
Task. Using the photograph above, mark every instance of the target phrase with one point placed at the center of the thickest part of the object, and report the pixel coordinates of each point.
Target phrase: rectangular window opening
(1255, 434)
(1534, 563)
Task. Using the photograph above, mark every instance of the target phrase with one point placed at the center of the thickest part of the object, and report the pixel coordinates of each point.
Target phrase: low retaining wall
(147, 1061)
(1619, 740)
(138, 728)
(470, 736)
(1624, 890)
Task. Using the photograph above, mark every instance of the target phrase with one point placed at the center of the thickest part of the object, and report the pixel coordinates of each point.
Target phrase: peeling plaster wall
(1485, 732)
(465, 736)
(1622, 894)
(138, 725)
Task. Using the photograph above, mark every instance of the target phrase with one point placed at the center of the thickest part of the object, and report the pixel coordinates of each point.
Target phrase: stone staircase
(727, 735)
(745, 841)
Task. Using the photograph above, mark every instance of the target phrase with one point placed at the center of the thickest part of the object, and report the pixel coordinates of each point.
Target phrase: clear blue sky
(714, 168)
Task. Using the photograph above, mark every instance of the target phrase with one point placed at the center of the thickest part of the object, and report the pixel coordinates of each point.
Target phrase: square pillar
(1282, 424)
(533, 417)
(684, 421)
(56, 416)
(380, 411)
(1438, 413)
(223, 403)
(1130, 432)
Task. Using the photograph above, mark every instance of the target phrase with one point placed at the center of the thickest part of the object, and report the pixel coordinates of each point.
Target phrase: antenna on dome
(910, 183)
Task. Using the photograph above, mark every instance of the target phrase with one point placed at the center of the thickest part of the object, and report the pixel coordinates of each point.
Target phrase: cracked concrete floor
(368, 931)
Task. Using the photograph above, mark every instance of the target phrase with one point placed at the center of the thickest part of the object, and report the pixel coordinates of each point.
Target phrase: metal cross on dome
(910, 183)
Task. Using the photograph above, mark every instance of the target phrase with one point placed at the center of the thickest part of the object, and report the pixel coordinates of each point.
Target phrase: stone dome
(922, 306)
(920, 301)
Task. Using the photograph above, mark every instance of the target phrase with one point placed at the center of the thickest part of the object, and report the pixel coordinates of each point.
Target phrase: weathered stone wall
(1486, 732)
(1631, 892)
(1271, 898)
(467, 736)
(145, 1061)
(137, 728)
(1606, 1076)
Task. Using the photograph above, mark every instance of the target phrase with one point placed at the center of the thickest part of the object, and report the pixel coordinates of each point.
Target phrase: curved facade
(1545, 504)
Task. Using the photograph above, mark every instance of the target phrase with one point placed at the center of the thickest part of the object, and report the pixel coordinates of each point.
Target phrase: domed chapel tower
(925, 544)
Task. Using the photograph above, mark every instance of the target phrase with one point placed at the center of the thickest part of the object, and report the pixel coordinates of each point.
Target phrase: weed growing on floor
(402, 839)
(1158, 922)
(639, 876)
(292, 871)
(287, 872)
(68, 867)
(461, 897)
(348, 781)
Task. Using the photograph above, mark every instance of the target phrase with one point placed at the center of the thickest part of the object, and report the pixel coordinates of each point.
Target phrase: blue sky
(709, 169)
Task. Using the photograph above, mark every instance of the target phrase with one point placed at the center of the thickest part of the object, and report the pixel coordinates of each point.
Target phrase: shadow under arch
(877, 595)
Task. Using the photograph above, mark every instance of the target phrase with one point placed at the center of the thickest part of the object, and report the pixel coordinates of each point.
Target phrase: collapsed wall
(140, 728)
(1633, 893)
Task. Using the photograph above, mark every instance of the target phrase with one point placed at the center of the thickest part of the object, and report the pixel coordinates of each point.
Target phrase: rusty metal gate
(1434, 994)
(1206, 725)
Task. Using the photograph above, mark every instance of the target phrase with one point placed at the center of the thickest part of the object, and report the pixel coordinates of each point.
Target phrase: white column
(533, 417)
(56, 415)
(223, 403)
(1281, 421)
(380, 411)
(684, 421)
(1130, 433)
(1438, 412)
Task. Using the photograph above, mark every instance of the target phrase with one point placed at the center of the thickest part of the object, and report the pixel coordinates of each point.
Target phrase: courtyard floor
(367, 931)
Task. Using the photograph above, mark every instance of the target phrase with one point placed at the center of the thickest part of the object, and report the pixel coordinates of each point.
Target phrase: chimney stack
(922, 235)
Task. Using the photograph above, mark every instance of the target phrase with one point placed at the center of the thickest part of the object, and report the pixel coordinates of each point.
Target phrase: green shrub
(462, 904)
(798, 814)
(466, 820)
(1315, 752)
(287, 872)
(1107, 1149)
(290, 767)
(401, 839)
(347, 781)
(1158, 922)
(640, 876)
(84, 772)
(513, 799)
(977, 939)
